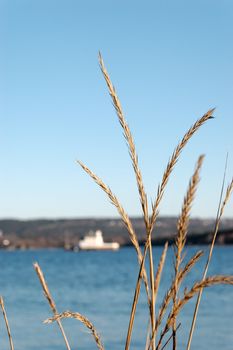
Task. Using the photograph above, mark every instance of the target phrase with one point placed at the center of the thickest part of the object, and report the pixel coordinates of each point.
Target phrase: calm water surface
(101, 285)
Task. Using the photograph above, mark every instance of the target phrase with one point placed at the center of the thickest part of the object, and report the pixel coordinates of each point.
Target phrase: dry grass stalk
(135, 299)
(227, 197)
(134, 305)
(150, 221)
(218, 220)
(157, 280)
(129, 139)
(155, 207)
(152, 308)
(169, 295)
(133, 154)
(183, 221)
(209, 281)
(134, 241)
(172, 162)
(170, 338)
(82, 319)
(116, 203)
(7, 323)
(50, 300)
(123, 214)
(193, 260)
(160, 270)
(156, 288)
(182, 229)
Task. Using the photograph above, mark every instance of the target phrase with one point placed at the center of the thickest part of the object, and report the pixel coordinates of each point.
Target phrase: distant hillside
(53, 233)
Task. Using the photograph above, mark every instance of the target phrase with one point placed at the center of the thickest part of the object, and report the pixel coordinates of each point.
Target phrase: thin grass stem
(218, 220)
(170, 338)
(125, 218)
(169, 295)
(7, 323)
(142, 194)
(182, 229)
(50, 301)
(156, 289)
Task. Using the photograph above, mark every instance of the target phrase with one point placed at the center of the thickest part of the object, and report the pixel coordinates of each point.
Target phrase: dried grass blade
(172, 162)
(7, 323)
(152, 283)
(124, 216)
(160, 269)
(120, 209)
(82, 319)
(218, 220)
(208, 282)
(156, 288)
(183, 221)
(160, 192)
(134, 305)
(50, 300)
(129, 139)
(133, 155)
(135, 301)
(182, 229)
(193, 260)
(157, 282)
(169, 295)
(169, 339)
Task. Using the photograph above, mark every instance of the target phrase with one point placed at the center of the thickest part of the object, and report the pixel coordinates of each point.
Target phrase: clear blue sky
(170, 61)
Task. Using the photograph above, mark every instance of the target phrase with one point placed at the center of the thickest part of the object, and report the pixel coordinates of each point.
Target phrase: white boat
(94, 241)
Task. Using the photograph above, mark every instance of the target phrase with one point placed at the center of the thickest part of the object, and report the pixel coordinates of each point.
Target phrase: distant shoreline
(224, 238)
(65, 233)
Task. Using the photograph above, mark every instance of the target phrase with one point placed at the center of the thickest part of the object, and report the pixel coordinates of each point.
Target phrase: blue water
(100, 285)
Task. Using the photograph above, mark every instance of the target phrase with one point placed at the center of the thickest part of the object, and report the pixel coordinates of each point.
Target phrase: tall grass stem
(7, 323)
(50, 300)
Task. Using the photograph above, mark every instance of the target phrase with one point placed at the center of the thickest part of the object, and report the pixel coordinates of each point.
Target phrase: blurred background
(170, 62)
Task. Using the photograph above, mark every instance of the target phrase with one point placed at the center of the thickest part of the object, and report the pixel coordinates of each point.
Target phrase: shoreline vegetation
(163, 320)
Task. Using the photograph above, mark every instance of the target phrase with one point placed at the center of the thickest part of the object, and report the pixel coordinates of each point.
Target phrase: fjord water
(101, 285)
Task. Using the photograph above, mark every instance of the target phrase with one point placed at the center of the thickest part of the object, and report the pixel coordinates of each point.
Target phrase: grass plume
(129, 139)
(182, 229)
(50, 300)
(83, 320)
(196, 288)
(133, 155)
(172, 162)
(124, 216)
